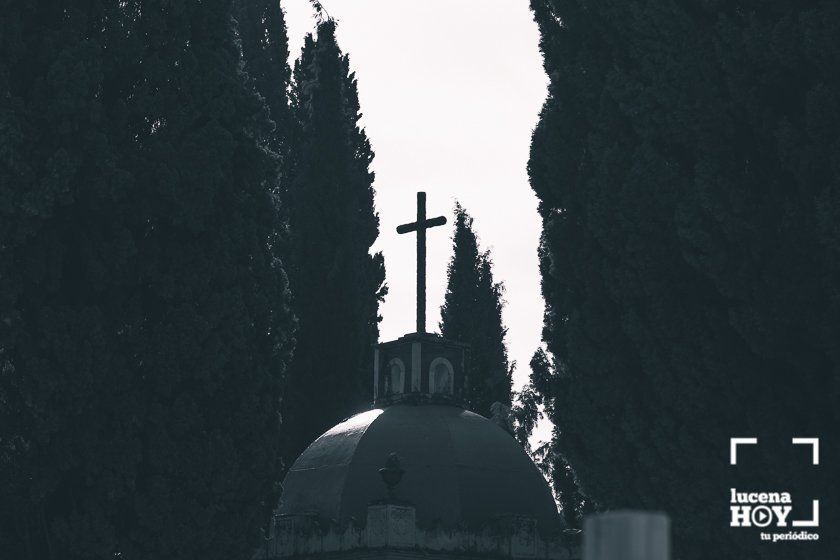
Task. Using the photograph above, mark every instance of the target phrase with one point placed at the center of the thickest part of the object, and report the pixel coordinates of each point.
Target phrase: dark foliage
(546, 384)
(525, 413)
(574, 505)
(143, 317)
(336, 282)
(687, 164)
(472, 313)
(265, 51)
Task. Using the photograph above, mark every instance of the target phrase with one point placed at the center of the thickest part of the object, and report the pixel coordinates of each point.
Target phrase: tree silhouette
(336, 283)
(683, 162)
(472, 313)
(145, 325)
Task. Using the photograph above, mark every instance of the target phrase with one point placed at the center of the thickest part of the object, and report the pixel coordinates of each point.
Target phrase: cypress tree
(336, 283)
(685, 162)
(144, 319)
(68, 446)
(472, 313)
(214, 298)
(265, 51)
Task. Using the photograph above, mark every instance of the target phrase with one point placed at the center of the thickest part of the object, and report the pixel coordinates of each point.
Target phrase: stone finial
(392, 473)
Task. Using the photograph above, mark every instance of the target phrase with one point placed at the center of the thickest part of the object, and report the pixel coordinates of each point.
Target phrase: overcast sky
(450, 91)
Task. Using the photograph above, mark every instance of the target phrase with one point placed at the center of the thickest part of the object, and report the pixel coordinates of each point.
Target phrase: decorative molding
(390, 530)
(415, 366)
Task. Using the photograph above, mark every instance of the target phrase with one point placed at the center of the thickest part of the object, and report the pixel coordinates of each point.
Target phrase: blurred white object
(627, 535)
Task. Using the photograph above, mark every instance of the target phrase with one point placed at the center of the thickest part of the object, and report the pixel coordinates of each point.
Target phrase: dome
(460, 469)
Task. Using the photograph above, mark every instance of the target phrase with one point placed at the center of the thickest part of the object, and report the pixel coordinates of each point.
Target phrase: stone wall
(391, 531)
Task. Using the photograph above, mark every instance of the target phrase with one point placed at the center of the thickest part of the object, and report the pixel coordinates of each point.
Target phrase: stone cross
(420, 226)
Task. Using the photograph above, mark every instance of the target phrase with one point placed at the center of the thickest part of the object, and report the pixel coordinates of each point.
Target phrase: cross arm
(432, 222)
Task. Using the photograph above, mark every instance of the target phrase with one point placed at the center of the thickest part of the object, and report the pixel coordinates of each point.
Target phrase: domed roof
(460, 468)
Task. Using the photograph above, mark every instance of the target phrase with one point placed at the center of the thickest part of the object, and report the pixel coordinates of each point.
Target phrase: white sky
(450, 91)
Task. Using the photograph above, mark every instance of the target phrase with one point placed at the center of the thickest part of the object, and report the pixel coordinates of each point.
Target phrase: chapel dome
(460, 469)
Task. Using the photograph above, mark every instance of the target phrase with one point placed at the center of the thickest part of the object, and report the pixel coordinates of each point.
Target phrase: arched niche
(395, 378)
(441, 376)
